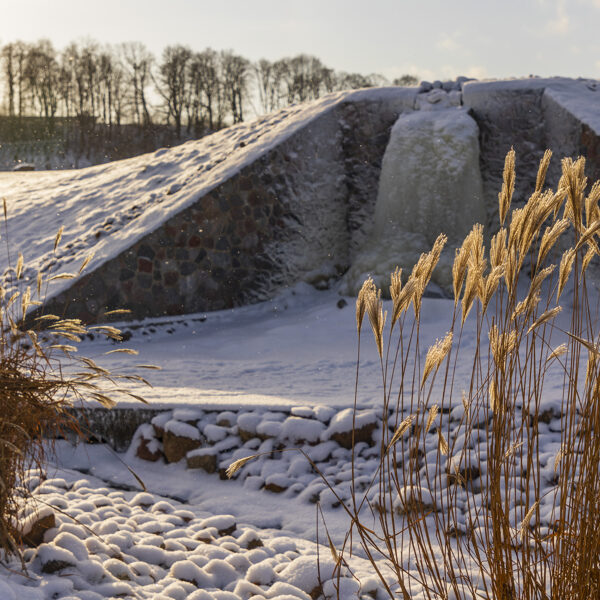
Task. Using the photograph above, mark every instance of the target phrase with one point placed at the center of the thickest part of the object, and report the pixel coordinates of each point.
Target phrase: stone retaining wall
(295, 213)
(521, 114)
(301, 210)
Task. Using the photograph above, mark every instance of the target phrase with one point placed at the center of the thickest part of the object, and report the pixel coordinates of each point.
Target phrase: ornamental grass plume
(508, 185)
(499, 516)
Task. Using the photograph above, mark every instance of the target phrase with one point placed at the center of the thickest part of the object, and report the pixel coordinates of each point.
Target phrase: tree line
(193, 92)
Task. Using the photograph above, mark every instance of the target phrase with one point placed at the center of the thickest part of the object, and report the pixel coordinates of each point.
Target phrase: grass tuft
(40, 380)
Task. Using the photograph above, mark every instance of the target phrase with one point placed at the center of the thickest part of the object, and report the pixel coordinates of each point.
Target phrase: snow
(183, 430)
(298, 428)
(344, 420)
(282, 370)
(166, 528)
(107, 208)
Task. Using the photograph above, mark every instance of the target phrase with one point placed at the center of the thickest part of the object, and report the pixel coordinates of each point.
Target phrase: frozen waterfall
(430, 183)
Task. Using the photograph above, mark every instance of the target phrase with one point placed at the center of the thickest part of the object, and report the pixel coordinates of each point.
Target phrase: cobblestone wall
(301, 210)
(522, 115)
(295, 213)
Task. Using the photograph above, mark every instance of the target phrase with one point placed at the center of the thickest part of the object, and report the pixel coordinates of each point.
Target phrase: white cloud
(477, 71)
(560, 24)
(444, 72)
(394, 71)
(447, 42)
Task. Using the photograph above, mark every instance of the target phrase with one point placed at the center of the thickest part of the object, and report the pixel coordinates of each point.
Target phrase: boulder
(179, 439)
(149, 450)
(205, 459)
(37, 527)
(340, 427)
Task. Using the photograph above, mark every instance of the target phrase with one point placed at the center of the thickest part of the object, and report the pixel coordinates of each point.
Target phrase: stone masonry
(301, 209)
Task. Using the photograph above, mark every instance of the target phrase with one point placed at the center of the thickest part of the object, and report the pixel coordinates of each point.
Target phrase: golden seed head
(536, 284)
(558, 351)
(574, 181)
(443, 444)
(566, 264)
(587, 237)
(395, 293)
(508, 185)
(433, 413)
(401, 430)
(592, 213)
(542, 170)
(367, 289)
(514, 230)
(502, 345)
(435, 356)
(474, 277)
(236, 465)
(402, 300)
(525, 523)
(19, 269)
(562, 452)
(591, 252)
(490, 286)
(498, 248)
(461, 258)
(369, 301)
(511, 270)
(395, 283)
(58, 237)
(494, 399)
(86, 262)
(545, 317)
(550, 237)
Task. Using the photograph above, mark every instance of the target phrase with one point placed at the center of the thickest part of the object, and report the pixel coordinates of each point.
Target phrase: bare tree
(263, 74)
(406, 80)
(304, 77)
(119, 92)
(173, 82)
(8, 67)
(235, 70)
(105, 77)
(41, 74)
(352, 81)
(269, 78)
(67, 77)
(211, 87)
(20, 50)
(138, 63)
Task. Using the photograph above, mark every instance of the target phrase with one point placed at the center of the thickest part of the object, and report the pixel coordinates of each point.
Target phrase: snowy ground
(193, 535)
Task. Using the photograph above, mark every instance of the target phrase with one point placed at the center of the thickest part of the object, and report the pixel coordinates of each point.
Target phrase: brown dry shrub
(41, 379)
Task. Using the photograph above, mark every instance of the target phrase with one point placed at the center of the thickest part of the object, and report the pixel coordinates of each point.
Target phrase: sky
(431, 39)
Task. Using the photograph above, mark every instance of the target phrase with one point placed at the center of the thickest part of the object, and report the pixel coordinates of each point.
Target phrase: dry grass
(35, 391)
(477, 508)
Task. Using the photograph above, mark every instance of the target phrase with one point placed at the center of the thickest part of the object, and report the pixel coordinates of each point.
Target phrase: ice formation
(430, 183)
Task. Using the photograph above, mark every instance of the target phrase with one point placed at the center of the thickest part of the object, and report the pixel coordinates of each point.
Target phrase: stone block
(207, 461)
(175, 447)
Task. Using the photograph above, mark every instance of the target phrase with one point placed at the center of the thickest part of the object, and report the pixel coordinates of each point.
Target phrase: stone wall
(507, 116)
(295, 213)
(523, 115)
(302, 209)
(569, 136)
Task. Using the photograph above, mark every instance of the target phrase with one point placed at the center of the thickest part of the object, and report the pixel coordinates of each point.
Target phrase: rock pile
(213, 440)
(106, 543)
